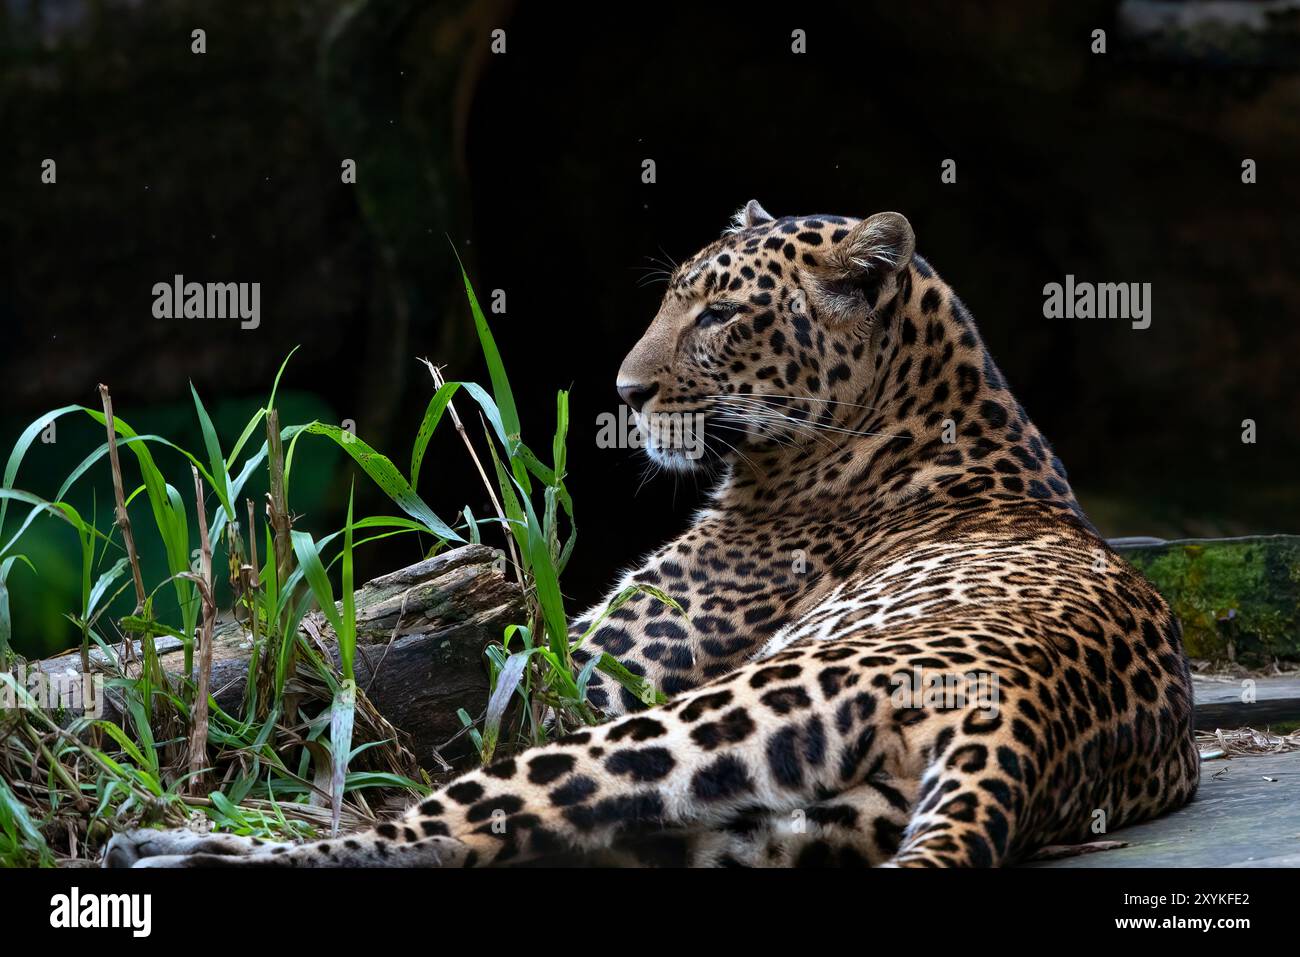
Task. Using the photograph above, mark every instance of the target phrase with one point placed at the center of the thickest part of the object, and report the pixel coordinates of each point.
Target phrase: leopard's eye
(715, 315)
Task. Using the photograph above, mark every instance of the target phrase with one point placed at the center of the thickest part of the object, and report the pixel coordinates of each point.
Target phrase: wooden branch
(421, 632)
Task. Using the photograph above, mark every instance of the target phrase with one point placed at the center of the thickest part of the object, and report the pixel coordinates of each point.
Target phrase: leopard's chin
(673, 440)
(674, 460)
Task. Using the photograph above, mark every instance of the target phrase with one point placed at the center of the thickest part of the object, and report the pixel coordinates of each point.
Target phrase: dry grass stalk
(123, 519)
(1220, 743)
(277, 499)
(438, 382)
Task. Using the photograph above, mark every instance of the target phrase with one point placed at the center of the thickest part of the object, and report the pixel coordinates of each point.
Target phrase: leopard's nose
(637, 395)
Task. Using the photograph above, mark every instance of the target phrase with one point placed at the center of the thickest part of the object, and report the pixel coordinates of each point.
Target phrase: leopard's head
(763, 338)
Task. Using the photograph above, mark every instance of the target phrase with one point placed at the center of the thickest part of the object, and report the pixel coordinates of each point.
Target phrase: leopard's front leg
(720, 623)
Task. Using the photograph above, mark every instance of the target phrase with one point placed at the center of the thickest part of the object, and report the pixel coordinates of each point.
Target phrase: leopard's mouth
(673, 459)
(674, 440)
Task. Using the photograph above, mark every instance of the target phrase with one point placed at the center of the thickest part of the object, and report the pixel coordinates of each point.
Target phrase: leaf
(342, 715)
(220, 477)
(229, 810)
(515, 515)
(17, 825)
(644, 691)
(306, 550)
(20, 449)
(275, 386)
(58, 509)
(505, 398)
(348, 636)
(584, 676)
(548, 584)
(558, 443)
(622, 598)
(259, 414)
(507, 681)
(474, 736)
(6, 619)
(124, 742)
(432, 416)
(143, 731)
(102, 584)
(169, 516)
(387, 477)
(237, 485)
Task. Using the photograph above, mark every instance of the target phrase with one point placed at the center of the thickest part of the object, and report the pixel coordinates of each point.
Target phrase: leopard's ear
(875, 248)
(860, 272)
(752, 215)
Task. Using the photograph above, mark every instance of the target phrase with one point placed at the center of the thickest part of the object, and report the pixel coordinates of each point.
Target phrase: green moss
(1241, 594)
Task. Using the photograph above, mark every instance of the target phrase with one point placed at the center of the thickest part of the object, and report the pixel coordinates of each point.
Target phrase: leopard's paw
(177, 848)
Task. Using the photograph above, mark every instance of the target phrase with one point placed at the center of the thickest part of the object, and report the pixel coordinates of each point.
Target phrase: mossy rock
(1237, 598)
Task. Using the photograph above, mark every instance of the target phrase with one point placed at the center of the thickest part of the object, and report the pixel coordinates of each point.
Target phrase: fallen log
(421, 632)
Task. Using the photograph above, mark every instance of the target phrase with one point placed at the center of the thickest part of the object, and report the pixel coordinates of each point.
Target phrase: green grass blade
(505, 398)
(306, 551)
(20, 449)
(515, 515)
(547, 583)
(559, 444)
(342, 717)
(386, 475)
(512, 672)
(258, 415)
(19, 830)
(638, 686)
(220, 477)
(432, 416)
(348, 636)
(102, 585)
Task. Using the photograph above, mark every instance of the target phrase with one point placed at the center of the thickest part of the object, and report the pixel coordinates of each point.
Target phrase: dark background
(1122, 167)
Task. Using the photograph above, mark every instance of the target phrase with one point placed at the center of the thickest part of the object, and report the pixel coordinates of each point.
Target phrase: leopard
(890, 637)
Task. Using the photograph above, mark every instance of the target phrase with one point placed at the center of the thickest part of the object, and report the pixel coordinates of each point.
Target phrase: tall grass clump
(305, 747)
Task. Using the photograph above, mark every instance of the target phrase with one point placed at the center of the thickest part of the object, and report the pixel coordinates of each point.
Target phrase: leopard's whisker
(824, 427)
(775, 396)
(769, 436)
(808, 427)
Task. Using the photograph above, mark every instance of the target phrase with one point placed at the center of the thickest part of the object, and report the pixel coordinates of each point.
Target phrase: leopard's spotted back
(902, 641)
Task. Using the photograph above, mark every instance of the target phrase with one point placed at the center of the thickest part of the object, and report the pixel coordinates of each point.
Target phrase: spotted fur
(885, 510)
